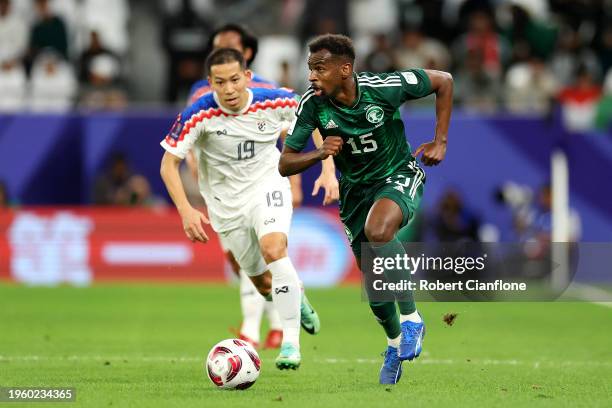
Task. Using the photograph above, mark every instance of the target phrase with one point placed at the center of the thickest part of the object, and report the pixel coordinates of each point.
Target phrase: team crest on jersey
(374, 114)
(261, 125)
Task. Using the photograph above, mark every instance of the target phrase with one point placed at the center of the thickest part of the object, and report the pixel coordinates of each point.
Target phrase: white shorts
(269, 211)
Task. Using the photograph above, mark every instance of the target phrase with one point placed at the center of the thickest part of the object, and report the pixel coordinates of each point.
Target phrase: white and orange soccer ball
(233, 364)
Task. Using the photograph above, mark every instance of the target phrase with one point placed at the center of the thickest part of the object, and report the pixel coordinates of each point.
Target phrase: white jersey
(236, 152)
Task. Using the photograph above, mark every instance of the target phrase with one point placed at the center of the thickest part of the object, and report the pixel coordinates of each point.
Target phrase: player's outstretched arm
(442, 86)
(192, 219)
(293, 162)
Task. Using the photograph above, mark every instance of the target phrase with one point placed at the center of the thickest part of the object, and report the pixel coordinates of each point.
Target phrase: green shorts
(404, 187)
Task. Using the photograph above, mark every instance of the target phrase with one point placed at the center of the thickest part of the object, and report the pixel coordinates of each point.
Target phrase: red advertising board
(51, 245)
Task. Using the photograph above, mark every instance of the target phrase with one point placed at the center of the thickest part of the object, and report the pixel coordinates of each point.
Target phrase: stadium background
(530, 76)
(101, 291)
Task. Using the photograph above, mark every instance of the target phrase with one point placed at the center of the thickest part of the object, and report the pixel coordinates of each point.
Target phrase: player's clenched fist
(192, 224)
(433, 153)
(332, 145)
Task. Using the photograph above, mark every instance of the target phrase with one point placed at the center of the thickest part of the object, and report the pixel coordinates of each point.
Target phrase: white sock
(252, 304)
(413, 317)
(394, 342)
(273, 317)
(286, 293)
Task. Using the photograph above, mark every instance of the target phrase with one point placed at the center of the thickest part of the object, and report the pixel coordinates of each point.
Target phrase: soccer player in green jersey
(382, 183)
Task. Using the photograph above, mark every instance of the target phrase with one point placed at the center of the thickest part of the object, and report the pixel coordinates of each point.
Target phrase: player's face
(229, 81)
(326, 73)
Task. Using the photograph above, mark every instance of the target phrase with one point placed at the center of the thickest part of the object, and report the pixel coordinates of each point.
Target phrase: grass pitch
(144, 346)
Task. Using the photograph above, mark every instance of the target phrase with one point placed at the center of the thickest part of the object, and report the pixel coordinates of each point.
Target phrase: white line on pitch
(590, 293)
(328, 360)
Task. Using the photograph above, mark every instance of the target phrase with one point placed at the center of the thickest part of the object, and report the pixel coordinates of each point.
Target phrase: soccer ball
(233, 364)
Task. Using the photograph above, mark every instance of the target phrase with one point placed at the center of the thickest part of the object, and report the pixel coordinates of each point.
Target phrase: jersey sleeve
(183, 134)
(303, 123)
(398, 87)
(415, 84)
(287, 109)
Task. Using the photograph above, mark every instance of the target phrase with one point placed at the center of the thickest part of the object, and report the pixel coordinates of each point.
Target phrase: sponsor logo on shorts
(269, 221)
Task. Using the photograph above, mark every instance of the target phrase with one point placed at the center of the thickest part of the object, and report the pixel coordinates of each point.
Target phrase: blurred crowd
(518, 56)
(58, 53)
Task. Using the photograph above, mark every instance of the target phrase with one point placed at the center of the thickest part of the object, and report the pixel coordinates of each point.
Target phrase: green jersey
(375, 145)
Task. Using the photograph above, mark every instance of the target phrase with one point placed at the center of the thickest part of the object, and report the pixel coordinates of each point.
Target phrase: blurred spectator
(416, 50)
(141, 194)
(530, 87)
(103, 90)
(570, 54)
(53, 83)
(482, 40)
(100, 72)
(381, 58)
(454, 221)
(185, 37)
(119, 186)
(528, 37)
(605, 48)
(324, 16)
(109, 18)
(94, 49)
(579, 101)
(13, 37)
(272, 51)
(13, 86)
(426, 14)
(49, 31)
(360, 15)
(476, 88)
(603, 118)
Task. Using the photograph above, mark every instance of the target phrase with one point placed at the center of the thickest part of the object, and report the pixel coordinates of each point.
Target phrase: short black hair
(337, 44)
(247, 39)
(224, 56)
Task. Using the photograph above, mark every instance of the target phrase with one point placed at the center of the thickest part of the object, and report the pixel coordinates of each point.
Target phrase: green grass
(143, 346)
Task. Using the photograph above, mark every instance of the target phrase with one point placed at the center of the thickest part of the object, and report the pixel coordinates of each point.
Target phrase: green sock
(404, 299)
(386, 314)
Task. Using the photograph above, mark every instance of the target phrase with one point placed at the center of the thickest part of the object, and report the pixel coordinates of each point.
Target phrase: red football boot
(273, 339)
(248, 340)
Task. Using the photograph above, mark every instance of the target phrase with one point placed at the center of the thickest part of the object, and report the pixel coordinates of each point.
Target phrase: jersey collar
(231, 112)
(357, 100)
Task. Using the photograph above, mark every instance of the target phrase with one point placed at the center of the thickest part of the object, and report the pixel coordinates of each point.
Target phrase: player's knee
(273, 251)
(379, 233)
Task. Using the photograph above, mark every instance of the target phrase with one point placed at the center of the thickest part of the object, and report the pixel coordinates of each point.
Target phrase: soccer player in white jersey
(252, 305)
(234, 131)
